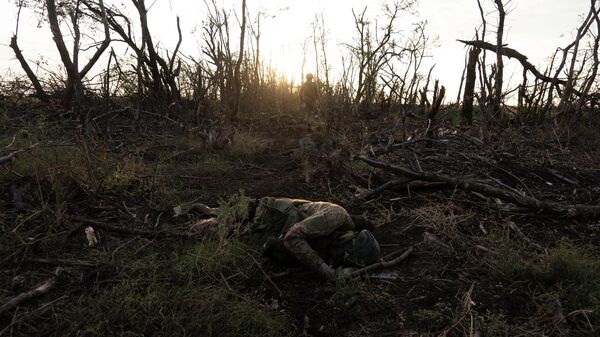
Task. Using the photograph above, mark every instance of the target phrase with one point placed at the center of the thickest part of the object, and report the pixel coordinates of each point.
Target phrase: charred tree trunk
(152, 61)
(499, 80)
(71, 63)
(237, 80)
(39, 90)
(57, 36)
(436, 103)
(467, 108)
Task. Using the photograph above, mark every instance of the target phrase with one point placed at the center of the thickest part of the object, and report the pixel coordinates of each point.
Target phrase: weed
(135, 308)
(362, 292)
(567, 270)
(347, 288)
(124, 176)
(492, 324)
(190, 293)
(438, 317)
(232, 212)
(217, 259)
(360, 167)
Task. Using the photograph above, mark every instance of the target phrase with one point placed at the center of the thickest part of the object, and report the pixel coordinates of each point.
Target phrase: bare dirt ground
(481, 267)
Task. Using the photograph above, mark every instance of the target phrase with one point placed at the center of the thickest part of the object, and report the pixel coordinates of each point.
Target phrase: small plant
(124, 176)
(438, 317)
(492, 324)
(223, 258)
(232, 213)
(359, 292)
(346, 288)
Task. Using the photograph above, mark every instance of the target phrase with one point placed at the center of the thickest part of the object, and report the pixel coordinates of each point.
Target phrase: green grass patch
(215, 259)
(569, 271)
(195, 291)
(437, 317)
(135, 308)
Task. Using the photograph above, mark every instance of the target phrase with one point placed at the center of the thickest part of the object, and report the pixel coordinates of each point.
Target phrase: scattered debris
(90, 235)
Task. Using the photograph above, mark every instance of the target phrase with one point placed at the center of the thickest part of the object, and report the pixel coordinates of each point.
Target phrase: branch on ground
(382, 264)
(503, 194)
(40, 290)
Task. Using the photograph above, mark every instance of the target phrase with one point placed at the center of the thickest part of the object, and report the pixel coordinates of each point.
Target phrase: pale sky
(534, 27)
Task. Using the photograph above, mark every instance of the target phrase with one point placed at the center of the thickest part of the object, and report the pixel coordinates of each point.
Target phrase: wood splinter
(40, 290)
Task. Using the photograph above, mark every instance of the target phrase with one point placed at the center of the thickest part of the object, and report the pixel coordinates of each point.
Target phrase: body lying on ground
(320, 235)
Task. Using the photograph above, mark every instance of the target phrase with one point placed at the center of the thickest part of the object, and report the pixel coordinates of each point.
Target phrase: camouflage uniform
(326, 224)
(309, 94)
(310, 230)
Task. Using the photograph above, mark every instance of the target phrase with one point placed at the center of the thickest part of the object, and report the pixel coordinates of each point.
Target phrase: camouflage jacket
(309, 230)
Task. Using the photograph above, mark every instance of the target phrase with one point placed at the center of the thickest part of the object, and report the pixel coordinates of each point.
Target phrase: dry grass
(442, 217)
(246, 144)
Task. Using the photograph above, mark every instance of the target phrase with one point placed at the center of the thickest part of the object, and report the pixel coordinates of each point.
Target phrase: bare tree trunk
(424, 104)
(467, 108)
(484, 85)
(499, 62)
(237, 81)
(76, 80)
(315, 47)
(71, 63)
(62, 50)
(581, 31)
(39, 91)
(436, 102)
(522, 92)
(323, 39)
(592, 77)
(257, 57)
(140, 6)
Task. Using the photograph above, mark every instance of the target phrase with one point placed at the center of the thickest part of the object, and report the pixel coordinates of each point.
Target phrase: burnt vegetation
(497, 191)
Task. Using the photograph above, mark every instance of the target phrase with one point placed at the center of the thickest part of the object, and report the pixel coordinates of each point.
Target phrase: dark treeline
(382, 68)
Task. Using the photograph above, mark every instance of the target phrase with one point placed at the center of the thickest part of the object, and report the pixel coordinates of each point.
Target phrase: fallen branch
(382, 264)
(40, 290)
(474, 186)
(513, 226)
(74, 263)
(131, 231)
(14, 154)
(10, 156)
(368, 194)
(39, 90)
(43, 308)
(408, 184)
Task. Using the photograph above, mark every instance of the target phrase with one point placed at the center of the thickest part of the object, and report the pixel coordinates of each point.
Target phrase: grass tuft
(569, 271)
